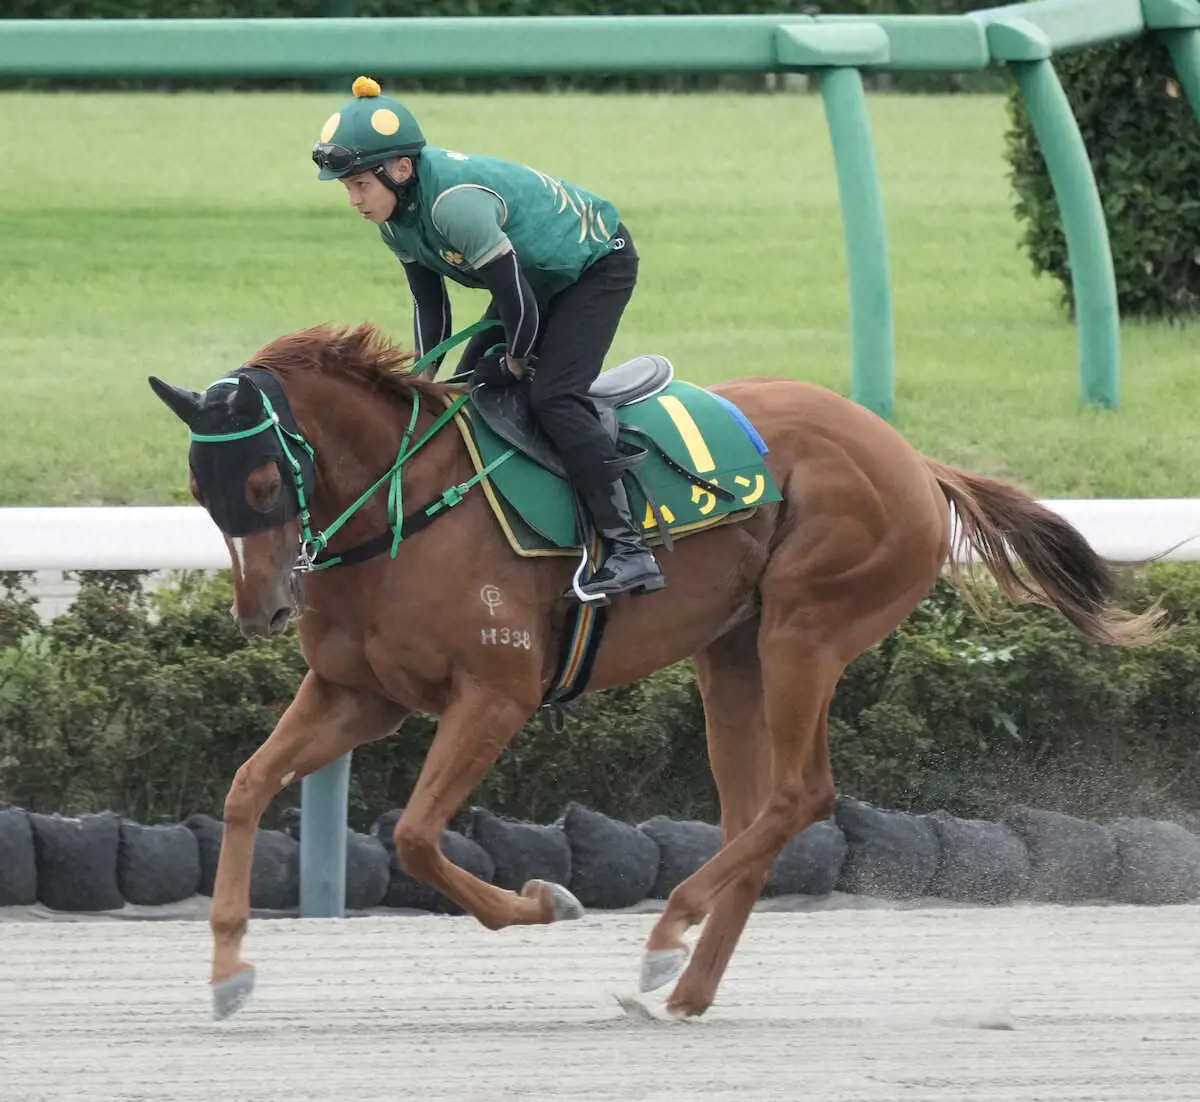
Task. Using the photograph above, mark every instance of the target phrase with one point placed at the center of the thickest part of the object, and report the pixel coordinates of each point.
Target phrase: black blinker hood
(221, 467)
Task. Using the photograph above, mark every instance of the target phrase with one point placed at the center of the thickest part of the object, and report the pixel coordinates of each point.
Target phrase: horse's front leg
(322, 723)
(471, 733)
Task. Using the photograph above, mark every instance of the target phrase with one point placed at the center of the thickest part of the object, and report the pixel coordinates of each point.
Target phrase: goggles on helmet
(333, 157)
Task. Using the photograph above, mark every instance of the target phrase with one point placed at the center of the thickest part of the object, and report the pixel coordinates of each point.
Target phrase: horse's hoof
(646, 1010)
(566, 906)
(232, 993)
(661, 966)
(681, 1010)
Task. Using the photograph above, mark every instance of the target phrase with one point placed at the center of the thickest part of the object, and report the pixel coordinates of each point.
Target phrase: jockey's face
(371, 197)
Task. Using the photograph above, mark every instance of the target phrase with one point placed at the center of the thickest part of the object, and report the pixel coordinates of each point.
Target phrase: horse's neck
(356, 437)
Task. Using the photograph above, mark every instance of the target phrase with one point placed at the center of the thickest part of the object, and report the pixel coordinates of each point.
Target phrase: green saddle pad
(697, 429)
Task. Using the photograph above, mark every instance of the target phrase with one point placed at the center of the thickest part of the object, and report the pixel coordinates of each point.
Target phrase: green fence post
(1177, 23)
(872, 379)
(1027, 49)
(1088, 250)
(836, 50)
(324, 808)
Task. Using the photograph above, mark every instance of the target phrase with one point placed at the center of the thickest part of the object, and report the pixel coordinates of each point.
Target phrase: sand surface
(1020, 1002)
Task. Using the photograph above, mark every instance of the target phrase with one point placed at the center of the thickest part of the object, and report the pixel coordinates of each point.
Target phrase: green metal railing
(1023, 37)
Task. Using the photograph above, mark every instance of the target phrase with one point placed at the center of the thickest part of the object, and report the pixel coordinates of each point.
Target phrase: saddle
(506, 410)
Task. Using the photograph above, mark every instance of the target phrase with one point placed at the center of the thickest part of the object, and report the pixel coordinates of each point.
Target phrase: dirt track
(881, 1004)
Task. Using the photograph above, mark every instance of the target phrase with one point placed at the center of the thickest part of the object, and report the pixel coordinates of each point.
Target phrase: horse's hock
(100, 864)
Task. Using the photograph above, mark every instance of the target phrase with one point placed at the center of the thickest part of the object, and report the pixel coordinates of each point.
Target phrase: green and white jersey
(466, 210)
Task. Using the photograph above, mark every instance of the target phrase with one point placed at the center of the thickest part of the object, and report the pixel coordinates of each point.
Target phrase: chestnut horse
(771, 609)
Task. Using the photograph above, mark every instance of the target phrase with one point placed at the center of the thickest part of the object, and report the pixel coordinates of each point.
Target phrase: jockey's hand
(495, 370)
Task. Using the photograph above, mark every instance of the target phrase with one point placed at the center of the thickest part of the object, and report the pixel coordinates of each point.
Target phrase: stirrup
(646, 582)
(576, 591)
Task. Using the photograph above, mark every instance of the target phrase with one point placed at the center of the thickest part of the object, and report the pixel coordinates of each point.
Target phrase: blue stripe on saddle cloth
(759, 443)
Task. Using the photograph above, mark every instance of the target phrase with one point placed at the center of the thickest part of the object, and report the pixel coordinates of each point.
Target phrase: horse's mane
(362, 355)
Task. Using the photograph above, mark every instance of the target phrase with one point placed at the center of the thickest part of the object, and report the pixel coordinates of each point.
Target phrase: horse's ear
(185, 404)
(247, 401)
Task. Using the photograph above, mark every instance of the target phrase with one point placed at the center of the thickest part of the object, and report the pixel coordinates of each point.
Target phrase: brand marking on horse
(506, 637)
(491, 596)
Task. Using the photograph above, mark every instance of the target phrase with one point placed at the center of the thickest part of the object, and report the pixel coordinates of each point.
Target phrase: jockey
(558, 263)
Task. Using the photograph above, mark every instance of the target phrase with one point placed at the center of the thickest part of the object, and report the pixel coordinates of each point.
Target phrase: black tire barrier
(1160, 862)
(889, 853)
(274, 875)
(1069, 858)
(613, 864)
(368, 871)
(980, 862)
(810, 864)
(683, 846)
(157, 864)
(521, 851)
(100, 862)
(405, 891)
(208, 833)
(18, 864)
(77, 861)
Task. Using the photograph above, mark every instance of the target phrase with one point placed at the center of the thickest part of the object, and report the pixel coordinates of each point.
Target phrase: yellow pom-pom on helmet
(364, 132)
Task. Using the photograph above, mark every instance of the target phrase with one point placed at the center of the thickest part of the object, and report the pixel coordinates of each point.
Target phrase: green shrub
(147, 702)
(1144, 145)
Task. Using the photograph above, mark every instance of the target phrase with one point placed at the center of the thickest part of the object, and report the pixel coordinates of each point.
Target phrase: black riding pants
(578, 327)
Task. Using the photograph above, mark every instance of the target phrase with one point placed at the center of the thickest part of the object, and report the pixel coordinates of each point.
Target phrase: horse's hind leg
(739, 751)
(799, 676)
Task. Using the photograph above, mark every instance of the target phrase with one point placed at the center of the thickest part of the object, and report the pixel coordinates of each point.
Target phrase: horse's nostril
(280, 620)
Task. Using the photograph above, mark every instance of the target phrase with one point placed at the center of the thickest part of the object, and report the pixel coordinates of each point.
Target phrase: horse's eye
(263, 488)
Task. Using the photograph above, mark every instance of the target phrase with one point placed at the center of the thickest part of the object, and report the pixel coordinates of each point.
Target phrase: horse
(770, 608)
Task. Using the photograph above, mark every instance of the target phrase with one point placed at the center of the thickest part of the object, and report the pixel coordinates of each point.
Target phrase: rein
(314, 553)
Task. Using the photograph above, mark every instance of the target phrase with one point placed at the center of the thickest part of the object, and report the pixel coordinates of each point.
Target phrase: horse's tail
(1005, 526)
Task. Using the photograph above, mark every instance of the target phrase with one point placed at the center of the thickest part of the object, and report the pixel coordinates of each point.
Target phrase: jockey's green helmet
(368, 130)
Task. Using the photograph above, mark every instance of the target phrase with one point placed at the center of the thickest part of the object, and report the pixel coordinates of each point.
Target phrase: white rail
(167, 537)
(182, 536)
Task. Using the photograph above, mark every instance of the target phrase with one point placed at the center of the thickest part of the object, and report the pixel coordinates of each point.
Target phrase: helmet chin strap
(399, 190)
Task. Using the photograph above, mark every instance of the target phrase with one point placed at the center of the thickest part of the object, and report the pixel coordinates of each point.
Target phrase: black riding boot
(628, 565)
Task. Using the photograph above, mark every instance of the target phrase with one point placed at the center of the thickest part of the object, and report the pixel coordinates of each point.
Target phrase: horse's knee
(416, 852)
(243, 802)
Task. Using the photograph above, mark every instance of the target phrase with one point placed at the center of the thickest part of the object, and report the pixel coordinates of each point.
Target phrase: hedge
(145, 702)
(1144, 145)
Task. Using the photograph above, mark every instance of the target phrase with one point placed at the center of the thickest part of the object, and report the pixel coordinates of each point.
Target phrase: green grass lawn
(175, 234)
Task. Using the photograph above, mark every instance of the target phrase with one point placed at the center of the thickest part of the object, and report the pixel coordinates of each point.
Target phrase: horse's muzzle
(274, 615)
